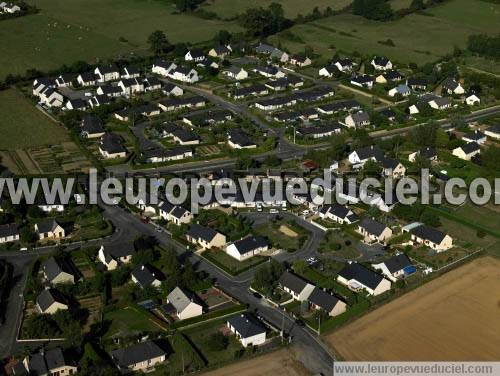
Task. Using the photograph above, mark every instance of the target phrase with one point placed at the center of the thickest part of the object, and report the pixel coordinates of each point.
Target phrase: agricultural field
(278, 363)
(442, 320)
(23, 126)
(32, 143)
(64, 32)
(418, 38)
(292, 8)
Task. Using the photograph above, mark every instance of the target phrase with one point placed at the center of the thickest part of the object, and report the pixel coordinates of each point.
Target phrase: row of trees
(262, 22)
(485, 45)
(379, 10)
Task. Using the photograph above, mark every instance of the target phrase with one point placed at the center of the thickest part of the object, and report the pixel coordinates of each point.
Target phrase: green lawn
(418, 38)
(278, 236)
(230, 264)
(200, 338)
(127, 321)
(231, 8)
(22, 125)
(92, 30)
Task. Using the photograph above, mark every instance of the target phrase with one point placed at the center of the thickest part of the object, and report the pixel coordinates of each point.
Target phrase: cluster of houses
(401, 87)
(48, 229)
(303, 291)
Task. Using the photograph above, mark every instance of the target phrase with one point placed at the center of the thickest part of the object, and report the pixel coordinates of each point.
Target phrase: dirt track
(454, 318)
(279, 363)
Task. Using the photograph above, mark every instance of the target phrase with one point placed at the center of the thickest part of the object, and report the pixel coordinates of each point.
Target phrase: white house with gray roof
(142, 356)
(185, 303)
(357, 277)
(248, 330)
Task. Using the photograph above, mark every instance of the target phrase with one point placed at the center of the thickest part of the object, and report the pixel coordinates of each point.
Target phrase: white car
(273, 211)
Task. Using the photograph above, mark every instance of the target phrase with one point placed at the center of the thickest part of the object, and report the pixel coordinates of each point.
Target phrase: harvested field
(279, 363)
(452, 318)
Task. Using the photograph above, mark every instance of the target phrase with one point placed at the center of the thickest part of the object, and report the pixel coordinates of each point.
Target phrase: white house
(381, 63)
(184, 74)
(205, 237)
(298, 288)
(357, 120)
(300, 60)
(402, 90)
(246, 248)
(472, 100)
(430, 237)
(396, 267)
(344, 65)
(248, 330)
(476, 136)
(236, 73)
(142, 356)
(195, 55)
(452, 86)
(112, 256)
(184, 303)
(131, 86)
(9, 233)
(322, 300)
(365, 154)
(87, 79)
(467, 151)
(374, 231)
(107, 73)
(357, 277)
(145, 275)
(51, 98)
(493, 132)
(163, 67)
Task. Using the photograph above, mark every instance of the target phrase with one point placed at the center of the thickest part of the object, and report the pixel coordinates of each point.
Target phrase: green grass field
(418, 38)
(23, 126)
(67, 31)
(231, 8)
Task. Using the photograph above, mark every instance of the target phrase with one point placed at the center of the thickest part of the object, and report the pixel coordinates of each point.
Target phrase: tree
(158, 42)
(27, 234)
(223, 37)
(430, 219)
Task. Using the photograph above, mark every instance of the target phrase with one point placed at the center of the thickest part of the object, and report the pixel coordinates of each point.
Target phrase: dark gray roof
(362, 79)
(471, 147)
(450, 83)
(88, 76)
(52, 268)
(397, 263)
(137, 353)
(323, 299)
(48, 297)
(389, 163)
(110, 68)
(368, 152)
(146, 275)
(178, 212)
(91, 124)
(9, 229)
(240, 137)
(340, 211)
(201, 232)
(246, 325)
(392, 75)
(372, 226)
(54, 358)
(250, 243)
(381, 60)
(292, 282)
(428, 233)
(117, 250)
(112, 143)
(361, 274)
(476, 135)
(249, 90)
(428, 152)
(494, 129)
